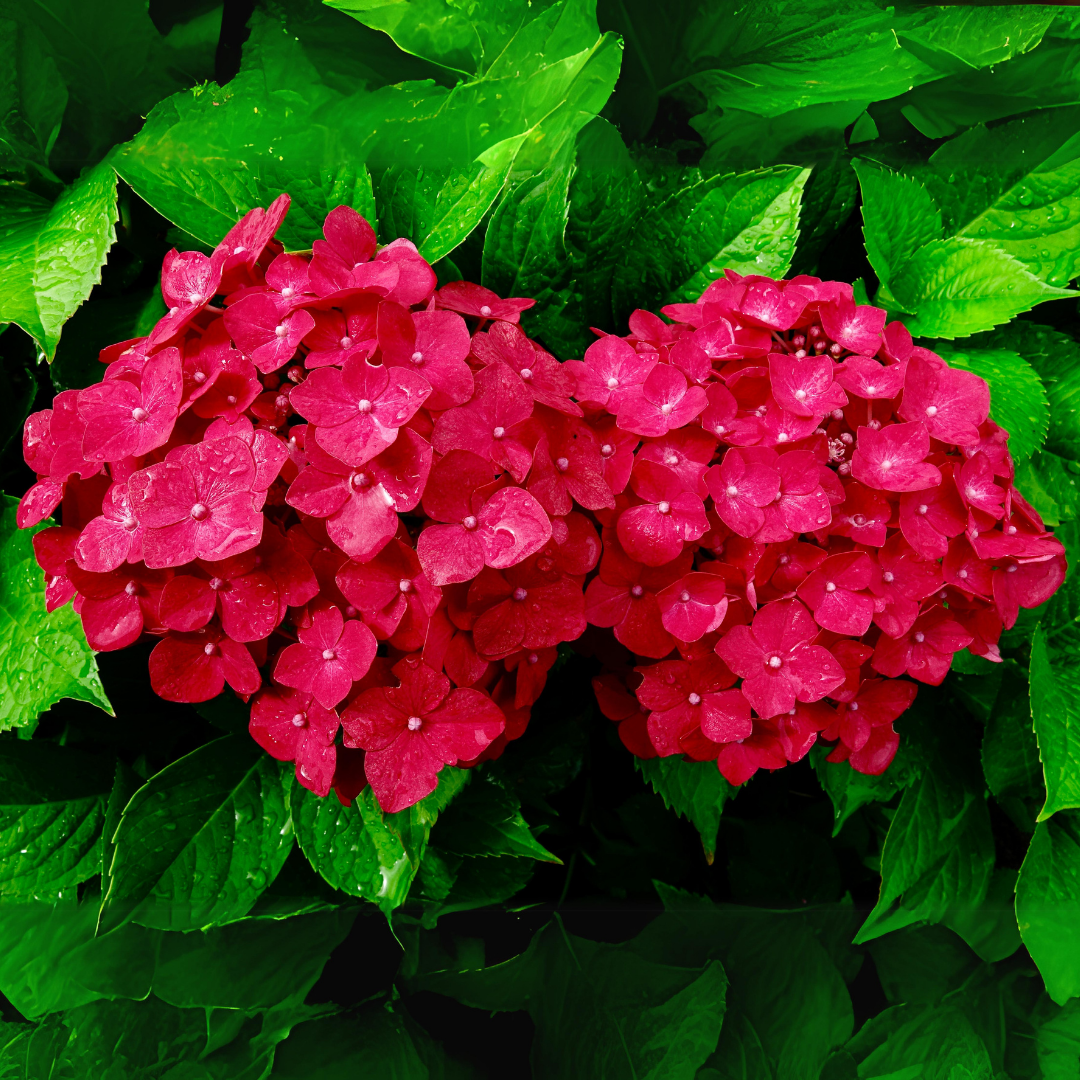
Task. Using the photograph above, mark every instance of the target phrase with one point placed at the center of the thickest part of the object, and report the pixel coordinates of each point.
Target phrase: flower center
(931, 410)
(417, 358)
(533, 658)
(287, 291)
(139, 414)
(800, 395)
(694, 699)
(684, 596)
(637, 590)
(888, 576)
(414, 723)
(886, 466)
(526, 373)
(962, 574)
(607, 450)
(281, 330)
(1010, 569)
(210, 649)
(853, 706)
(200, 511)
(498, 433)
(130, 523)
(922, 508)
(919, 636)
(231, 399)
(359, 480)
(405, 585)
(775, 662)
(485, 311)
(217, 583)
(469, 522)
(782, 437)
(300, 719)
(346, 342)
(328, 654)
(613, 383)
(663, 507)
(731, 491)
(784, 560)
(363, 405)
(520, 594)
(199, 376)
(131, 588)
(830, 586)
(671, 459)
(859, 520)
(562, 464)
(666, 408)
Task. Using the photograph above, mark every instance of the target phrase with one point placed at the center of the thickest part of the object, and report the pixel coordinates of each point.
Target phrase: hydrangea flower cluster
(375, 508)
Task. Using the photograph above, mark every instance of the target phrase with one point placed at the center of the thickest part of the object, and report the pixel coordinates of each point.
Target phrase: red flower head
(662, 402)
(805, 386)
(544, 378)
(740, 488)
(199, 505)
(338, 335)
(293, 726)
(468, 299)
(358, 410)
(685, 697)
(265, 335)
(361, 505)
(478, 522)
(776, 661)
(115, 607)
(837, 592)
(950, 402)
(434, 344)
(877, 704)
(112, 539)
(654, 531)
(412, 730)
(894, 458)
(693, 606)
(925, 652)
(330, 656)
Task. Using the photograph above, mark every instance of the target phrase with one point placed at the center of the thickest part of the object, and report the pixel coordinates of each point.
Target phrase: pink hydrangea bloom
(292, 726)
(330, 656)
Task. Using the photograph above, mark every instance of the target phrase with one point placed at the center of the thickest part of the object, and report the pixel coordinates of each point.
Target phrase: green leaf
(990, 928)
(53, 253)
(958, 286)
(43, 657)
(1055, 710)
(695, 790)
(1010, 752)
(466, 40)
(375, 1040)
(1017, 398)
(255, 964)
(50, 958)
(600, 1010)
(1020, 190)
(113, 61)
(32, 98)
(929, 1042)
(1058, 1042)
(939, 851)
(919, 965)
(958, 39)
(748, 223)
(52, 806)
(438, 208)
(1048, 903)
(1052, 485)
(199, 842)
(849, 790)
(363, 851)
(447, 883)
(486, 821)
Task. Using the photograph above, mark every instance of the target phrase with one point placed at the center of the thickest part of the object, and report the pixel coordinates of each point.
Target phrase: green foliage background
(173, 905)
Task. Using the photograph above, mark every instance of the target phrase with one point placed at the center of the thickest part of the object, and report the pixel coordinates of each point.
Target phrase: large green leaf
(199, 842)
(52, 253)
(52, 806)
(849, 790)
(1048, 903)
(695, 790)
(447, 883)
(1056, 358)
(43, 657)
(1055, 709)
(486, 821)
(1017, 398)
(600, 1010)
(363, 851)
(113, 61)
(955, 287)
(748, 223)
(1010, 753)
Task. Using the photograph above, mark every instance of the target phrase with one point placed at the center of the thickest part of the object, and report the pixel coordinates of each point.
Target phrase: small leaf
(199, 842)
(849, 790)
(1048, 903)
(1055, 709)
(53, 253)
(52, 805)
(695, 790)
(1010, 752)
(43, 657)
